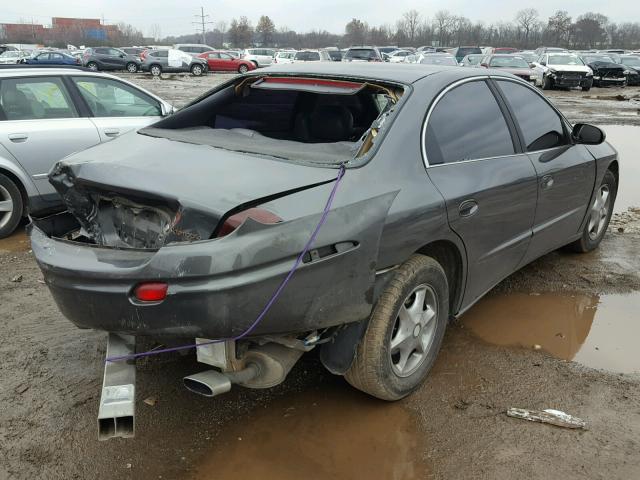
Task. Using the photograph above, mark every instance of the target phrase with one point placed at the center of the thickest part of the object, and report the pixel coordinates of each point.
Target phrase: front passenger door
(488, 184)
(116, 106)
(566, 172)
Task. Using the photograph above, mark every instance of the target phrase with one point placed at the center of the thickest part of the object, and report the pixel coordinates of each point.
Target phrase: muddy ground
(315, 425)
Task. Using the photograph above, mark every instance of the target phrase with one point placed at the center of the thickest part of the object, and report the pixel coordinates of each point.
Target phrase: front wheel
(598, 215)
(196, 70)
(11, 206)
(546, 83)
(405, 331)
(243, 69)
(156, 70)
(586, 89)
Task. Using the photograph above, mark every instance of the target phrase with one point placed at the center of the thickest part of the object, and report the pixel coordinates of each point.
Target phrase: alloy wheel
(6, 206)
(599, 212)
(413, 331)
(132, 68)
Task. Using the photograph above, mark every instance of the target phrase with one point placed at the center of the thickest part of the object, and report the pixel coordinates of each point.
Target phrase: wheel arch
(615, 169)
(449, 256)
(23, 190)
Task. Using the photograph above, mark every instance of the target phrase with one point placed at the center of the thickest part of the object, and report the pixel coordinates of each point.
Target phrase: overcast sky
(176, 17)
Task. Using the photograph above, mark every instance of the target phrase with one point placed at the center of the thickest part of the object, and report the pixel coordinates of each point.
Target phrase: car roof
(389, 72)
(46, 72)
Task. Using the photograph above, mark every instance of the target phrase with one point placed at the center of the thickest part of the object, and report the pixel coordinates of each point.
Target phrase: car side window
(102, 51)
(110, 98)
(467, 124)
(214, 55)
(35, 98)
(224, 56)
(541, 126)
(42, 57)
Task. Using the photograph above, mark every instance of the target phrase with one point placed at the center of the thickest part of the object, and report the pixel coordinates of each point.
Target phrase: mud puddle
(596, 331)
(330, 432)
(624, 139)
(16, 242)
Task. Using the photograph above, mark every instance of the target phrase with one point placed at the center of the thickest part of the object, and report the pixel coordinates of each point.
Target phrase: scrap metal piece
(552, 417)
(117, 401)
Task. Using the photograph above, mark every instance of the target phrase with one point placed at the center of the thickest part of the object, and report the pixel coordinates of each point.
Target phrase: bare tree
(155, 31)
(443, 22)
(410, 23)
(527, 19)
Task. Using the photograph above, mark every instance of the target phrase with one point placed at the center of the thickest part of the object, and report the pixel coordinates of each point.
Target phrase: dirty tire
(587, 242)
(546, 83)
(9, 195)
(372, 370)
(243, 69)
(586, 89)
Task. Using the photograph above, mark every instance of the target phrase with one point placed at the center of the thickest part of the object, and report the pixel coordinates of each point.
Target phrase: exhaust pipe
(211, 383)
(117, 401)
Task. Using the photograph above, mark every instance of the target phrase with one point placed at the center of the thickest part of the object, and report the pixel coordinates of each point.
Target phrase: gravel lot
(315, 425)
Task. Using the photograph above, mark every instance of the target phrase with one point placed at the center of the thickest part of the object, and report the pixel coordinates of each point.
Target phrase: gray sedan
(440, 183)
(49, 113)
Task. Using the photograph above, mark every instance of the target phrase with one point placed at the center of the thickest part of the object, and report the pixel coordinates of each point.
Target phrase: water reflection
(331, 432)
(599, 332)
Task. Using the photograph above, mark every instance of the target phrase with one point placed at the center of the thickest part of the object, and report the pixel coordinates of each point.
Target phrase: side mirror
(122, 55)
(587, 134)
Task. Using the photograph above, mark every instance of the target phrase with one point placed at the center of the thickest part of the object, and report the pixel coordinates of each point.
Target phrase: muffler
(117, 401)
(263, 366)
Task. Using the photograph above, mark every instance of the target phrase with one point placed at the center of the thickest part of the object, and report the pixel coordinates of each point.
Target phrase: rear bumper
(217, 288)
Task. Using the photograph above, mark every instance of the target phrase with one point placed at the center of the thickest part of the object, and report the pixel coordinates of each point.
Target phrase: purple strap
(272, 300)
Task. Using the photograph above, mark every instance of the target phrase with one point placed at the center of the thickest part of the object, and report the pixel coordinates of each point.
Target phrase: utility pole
(202, 24)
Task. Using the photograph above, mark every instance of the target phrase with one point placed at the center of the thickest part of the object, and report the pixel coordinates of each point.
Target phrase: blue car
(52, 58)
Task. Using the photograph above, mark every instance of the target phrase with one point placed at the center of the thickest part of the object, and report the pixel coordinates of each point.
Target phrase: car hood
(517, 71)
(606, 65)
(195, 177)
(569, 68)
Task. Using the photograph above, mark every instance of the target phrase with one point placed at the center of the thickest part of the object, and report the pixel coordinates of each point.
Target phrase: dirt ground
(315, 426)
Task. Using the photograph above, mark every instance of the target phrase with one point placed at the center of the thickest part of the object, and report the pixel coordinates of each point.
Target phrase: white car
(398, 56)
(261, 57)
(12, 56)
(49, 113)
(562, 69)
(284, 56)
(311, 56)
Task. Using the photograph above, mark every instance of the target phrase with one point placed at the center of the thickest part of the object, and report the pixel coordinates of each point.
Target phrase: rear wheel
(598, 215)
(92, 66)
(243, 69)
(405, 331)
(156, 70)
(132, 67)
(11, 206)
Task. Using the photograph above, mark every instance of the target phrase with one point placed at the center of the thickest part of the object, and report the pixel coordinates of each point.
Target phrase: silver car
(49, 113)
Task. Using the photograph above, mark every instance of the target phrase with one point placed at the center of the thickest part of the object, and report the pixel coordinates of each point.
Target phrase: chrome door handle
(18, 137)
(112, 132)
(468, 208)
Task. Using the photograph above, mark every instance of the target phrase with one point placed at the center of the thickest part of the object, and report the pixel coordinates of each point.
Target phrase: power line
(202, 23)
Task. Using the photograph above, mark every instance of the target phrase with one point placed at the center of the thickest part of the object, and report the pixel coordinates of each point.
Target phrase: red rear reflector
(151, 291)
(257, 214)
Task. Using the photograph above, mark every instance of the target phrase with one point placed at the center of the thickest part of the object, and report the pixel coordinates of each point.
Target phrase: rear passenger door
(566, 172)
(40, 125)
(489, 185)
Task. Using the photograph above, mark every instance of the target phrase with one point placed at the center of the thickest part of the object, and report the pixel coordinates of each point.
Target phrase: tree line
(527, 30)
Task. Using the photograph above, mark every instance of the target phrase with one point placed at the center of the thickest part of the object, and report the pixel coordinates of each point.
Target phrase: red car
(222, 61)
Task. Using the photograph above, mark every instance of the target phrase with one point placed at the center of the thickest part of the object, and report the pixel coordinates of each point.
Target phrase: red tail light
(257, 214)
(151, 291)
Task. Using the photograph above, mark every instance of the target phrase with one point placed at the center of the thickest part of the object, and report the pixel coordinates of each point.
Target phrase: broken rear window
(308, 120)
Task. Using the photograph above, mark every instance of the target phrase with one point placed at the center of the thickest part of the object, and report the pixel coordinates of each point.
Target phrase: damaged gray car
(453, 179)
